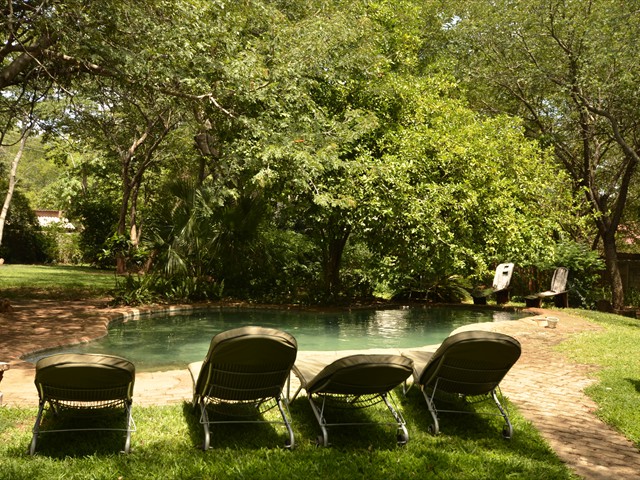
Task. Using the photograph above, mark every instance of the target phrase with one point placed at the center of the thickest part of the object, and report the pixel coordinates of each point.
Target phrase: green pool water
(168, 342)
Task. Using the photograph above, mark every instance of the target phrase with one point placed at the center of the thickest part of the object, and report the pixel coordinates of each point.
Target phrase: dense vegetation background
(322, 150)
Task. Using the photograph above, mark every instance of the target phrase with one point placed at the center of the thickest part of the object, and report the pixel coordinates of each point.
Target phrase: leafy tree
(23, 241)
(455, 193)
(569, 69)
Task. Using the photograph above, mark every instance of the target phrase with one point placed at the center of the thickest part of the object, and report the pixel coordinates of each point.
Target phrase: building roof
(50, 217)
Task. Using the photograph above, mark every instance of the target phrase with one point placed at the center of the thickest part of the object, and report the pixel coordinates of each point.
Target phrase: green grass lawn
(166, 446)
(166, 442)
(54, 281)
(616, 349)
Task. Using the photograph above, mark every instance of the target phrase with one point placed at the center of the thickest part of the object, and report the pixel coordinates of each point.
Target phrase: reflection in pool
(168, 342)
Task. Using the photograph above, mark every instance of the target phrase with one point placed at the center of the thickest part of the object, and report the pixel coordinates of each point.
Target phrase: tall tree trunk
(121, 260)
(335, 242)
(613, 271)
(12, 181)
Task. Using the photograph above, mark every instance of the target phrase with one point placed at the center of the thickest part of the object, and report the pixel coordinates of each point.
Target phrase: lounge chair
(467, 366)
(84, 383)
(355, 381)
(500, 286)
(243, 376)
(558, 291)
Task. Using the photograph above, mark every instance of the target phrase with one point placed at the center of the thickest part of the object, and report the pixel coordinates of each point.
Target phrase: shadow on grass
(255, 435)
(167, 445)
(635, 382)
(65, 293)
(376, 429)
(82, 439)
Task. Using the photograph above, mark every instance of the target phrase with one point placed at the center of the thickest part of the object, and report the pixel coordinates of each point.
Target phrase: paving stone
(547, 388)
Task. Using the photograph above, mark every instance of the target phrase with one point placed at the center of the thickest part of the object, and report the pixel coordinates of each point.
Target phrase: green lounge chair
(243, 376)
(84, 383)
(558, 291)
(467, 366)
(355, 381)
(499, 287)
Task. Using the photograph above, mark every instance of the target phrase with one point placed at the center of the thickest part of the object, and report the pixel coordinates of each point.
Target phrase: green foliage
(287, 151)
(98, 219)
(585, 272)
(566, 69)
(454, 193)
(22, 240)
(62, 246)
(133, 289)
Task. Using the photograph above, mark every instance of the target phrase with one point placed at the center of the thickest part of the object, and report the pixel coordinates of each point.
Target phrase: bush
(585, 274)
(23, 240)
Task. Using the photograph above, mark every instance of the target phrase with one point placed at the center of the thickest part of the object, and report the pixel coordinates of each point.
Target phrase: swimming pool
(167, 342)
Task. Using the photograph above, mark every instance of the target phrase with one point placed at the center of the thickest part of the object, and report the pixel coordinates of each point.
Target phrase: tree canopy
(276, 149)
(569, 69)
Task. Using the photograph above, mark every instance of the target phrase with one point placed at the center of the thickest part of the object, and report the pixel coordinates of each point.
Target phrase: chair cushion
(361, 374)
(84, 372)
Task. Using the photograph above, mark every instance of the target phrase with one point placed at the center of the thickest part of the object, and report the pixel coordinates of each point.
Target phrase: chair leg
(507, 431)
(403, 437)
(562, 300)
(324, 438)
(290, 443)
(480, 300)
(204, 421)
(434, 428)
(36, 429)
(502, 297)
(533, 301)
(127, 443)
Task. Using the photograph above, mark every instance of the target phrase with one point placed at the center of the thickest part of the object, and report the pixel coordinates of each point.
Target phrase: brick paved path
(547, 388)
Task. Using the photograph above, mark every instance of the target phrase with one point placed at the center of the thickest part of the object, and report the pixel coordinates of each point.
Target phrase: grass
(61, 282)
(614, 349)
(166, 445)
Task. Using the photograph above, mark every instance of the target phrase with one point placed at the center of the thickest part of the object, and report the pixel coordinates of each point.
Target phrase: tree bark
(335, 243)
(613, 271)
(12, 181)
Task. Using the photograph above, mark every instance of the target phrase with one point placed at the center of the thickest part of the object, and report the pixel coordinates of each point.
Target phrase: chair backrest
(362, 374)
(559, 280)
(84, 377)
(247, 363)
(471, 362)
(502, 278)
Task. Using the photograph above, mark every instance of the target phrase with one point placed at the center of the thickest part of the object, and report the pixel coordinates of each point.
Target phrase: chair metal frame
(356, 402)
(91, 402)
(330, 394)
(243, 409)
(467, 367)
(430, 394)
(248, 389)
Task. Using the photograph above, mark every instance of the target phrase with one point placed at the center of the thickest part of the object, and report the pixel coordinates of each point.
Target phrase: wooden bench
(558, 291)
(500, 286)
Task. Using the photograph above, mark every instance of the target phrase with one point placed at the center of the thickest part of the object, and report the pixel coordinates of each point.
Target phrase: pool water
(168, 342)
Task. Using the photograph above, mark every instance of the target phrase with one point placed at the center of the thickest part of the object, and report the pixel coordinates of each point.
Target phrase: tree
(455, 193)
(12, 178)
(569, 69)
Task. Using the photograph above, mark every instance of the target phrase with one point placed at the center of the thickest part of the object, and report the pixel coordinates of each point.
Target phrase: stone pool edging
(59, 324)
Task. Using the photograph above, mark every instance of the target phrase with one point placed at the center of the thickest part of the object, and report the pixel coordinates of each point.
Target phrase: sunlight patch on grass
(54, 281)
(615, 349)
